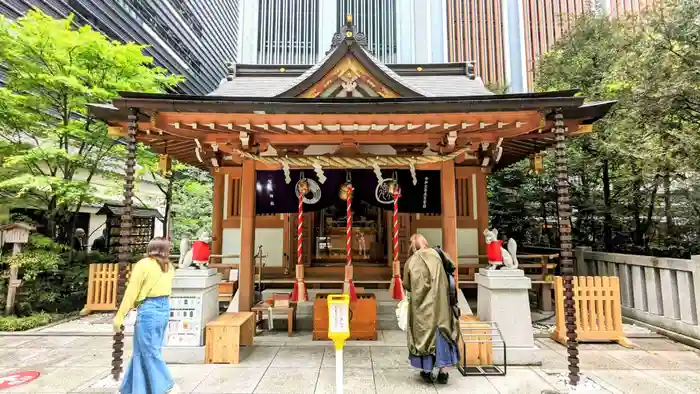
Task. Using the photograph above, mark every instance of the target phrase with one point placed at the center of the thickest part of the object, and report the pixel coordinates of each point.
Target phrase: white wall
(467, 240)
(272, 241)
(468, 244)
(231, 244)
(432, 235)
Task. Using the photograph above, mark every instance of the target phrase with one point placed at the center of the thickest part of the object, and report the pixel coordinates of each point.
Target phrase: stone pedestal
(193, 303)
(503, 298)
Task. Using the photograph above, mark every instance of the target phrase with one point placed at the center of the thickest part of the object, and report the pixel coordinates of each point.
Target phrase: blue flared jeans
(147, 372)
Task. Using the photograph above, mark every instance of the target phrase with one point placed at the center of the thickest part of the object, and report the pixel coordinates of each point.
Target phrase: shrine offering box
(363, 318)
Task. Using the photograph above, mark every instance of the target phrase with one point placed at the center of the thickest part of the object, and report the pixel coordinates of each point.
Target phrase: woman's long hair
(159, 250)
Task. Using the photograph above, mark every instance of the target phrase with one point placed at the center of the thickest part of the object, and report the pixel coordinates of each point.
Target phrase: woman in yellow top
(149, 288)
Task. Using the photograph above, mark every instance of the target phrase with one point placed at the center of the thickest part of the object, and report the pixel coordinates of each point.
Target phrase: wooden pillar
(247, 265)
(449, 212)
(12, 284)
(217, 215)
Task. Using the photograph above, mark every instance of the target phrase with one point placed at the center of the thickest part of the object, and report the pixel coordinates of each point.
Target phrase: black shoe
(442, 377)
(428, 377)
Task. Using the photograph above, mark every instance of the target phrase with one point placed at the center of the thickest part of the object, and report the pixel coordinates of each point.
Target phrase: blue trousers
(147, 372)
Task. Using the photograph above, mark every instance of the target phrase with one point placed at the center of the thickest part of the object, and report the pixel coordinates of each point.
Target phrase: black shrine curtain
(274, 195)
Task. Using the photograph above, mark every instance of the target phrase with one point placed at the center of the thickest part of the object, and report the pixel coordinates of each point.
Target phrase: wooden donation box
(363, 318)
(226, 334)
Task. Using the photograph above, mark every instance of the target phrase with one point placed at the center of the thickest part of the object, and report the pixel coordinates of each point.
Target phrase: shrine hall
(326, 170)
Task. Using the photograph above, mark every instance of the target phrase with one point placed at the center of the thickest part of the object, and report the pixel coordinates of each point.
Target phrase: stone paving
(279, 364)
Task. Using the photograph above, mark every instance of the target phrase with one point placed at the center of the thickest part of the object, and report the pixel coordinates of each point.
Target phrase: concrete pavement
(278, 364)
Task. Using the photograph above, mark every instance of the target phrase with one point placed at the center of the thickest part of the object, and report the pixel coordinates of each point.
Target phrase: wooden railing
(662, 292)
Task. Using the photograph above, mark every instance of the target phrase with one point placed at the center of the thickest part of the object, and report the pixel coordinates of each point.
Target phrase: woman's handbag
(402, 314)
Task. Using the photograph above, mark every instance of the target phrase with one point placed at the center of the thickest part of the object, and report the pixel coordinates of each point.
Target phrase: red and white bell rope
(349, 287)
(396, 287)
(300, 293)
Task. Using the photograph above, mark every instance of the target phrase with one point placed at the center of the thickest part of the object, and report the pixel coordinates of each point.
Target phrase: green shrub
(53, 279)
(14, 323)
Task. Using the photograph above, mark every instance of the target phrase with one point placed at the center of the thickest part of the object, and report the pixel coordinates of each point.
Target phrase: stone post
(503, 298)
(696, 284)
(582, 268)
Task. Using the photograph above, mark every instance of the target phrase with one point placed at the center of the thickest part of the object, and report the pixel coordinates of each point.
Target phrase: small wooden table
(291, 311)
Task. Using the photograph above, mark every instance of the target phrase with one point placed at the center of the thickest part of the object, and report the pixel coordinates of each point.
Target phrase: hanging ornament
(346, 188)
(393, 184)
(319, 172)
(285, 169)
(378, 173)
(302, 186)
(164, 164)
(412, 168)
(348, 286)
(198, 150)
(299, 292)
(536, 163)
(396, 286)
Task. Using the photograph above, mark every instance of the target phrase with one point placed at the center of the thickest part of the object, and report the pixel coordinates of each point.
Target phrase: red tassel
(295, 292)
(398, 289)
(351, 291)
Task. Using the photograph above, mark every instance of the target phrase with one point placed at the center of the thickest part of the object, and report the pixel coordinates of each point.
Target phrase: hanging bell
(303, 186)
(344, 191)
(393, 186)
(536, 163)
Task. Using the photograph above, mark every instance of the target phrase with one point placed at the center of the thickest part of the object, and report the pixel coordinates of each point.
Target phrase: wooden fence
(598, 310)
(102, 288)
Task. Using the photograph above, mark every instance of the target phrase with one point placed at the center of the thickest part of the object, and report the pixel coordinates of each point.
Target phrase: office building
(503, 38)
(195, 38)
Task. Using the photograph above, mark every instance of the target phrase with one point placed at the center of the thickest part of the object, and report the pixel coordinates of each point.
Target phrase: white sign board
(338, 319)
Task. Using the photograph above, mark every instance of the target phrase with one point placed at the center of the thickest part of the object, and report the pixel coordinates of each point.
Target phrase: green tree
(192, 203)
(51, 146)
(633, 181)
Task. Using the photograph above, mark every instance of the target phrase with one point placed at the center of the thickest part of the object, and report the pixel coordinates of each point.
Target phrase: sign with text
(338, 319)
(17, 379)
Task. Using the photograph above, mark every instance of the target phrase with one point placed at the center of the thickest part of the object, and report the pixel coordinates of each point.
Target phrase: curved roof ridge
(393, 75)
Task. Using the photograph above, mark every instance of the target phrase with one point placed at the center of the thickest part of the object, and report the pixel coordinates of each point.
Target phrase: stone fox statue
(497, 255)
(198, 255)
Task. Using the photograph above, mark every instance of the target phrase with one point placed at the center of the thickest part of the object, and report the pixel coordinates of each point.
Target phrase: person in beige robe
(433, 326)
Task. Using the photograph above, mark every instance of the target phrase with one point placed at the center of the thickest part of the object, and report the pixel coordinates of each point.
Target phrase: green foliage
(192, 199)
(51, 147)
(53, 280)
(14, 323)
(40, 255)
(634, 180)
